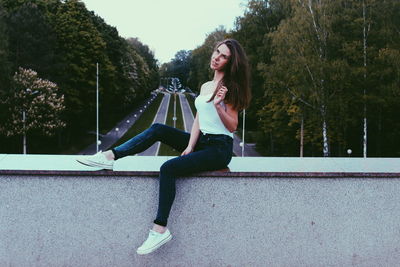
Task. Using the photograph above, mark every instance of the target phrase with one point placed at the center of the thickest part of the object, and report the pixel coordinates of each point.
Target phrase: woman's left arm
(228, 115)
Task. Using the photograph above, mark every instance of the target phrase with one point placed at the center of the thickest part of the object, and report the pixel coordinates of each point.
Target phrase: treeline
(62, 41)
(325, 75)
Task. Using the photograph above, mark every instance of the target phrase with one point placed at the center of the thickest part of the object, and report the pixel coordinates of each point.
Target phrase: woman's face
(220, 57)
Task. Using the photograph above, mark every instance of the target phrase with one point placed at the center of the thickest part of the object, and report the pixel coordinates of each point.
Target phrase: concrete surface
(187, 113)
(242, 165)
(72, 215)
(82, 221)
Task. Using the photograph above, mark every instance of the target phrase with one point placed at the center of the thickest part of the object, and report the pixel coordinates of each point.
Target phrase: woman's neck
(218, 76)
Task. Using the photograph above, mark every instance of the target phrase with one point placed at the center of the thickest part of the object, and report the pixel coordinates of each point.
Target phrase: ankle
(159, 228)
(109, 155)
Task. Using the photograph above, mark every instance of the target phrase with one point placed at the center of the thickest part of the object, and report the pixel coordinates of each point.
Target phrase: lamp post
(28, 90)
(97, 107)
(24, 137)
(244, 121)
(174, 84)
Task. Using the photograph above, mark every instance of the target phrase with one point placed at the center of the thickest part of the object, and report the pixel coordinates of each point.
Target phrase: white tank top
(209, 120)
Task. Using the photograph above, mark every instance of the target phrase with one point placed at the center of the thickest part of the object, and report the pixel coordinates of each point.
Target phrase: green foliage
(4, 51)
(307, 65)
(252, 31)
(34, 104)
(31, 39)
(63, 41)
(179, 67)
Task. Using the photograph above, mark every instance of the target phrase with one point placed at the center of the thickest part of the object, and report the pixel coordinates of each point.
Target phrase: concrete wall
(100, 221)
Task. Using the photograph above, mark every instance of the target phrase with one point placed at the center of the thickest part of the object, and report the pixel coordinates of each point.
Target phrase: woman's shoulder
(205, 85)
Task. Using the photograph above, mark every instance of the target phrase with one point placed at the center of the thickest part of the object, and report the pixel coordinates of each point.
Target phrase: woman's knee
(156, 129)
(156, 126)
(167, 168)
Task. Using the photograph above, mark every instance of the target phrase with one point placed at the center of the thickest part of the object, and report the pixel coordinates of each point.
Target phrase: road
(186, 113)
(118, 130)
(160, 117)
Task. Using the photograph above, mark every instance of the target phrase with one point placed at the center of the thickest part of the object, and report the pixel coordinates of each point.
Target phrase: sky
(167, 26)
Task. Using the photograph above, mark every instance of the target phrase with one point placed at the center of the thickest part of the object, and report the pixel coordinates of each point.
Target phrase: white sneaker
(96, 160)
(154, 241)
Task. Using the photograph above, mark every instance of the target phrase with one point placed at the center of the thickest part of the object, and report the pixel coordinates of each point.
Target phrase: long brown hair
(236, 76)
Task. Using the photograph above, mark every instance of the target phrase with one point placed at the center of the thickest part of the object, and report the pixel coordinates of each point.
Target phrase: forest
(49, 50)
(325, 75)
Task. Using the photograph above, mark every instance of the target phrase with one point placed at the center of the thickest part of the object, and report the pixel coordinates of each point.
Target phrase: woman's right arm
(194, 136)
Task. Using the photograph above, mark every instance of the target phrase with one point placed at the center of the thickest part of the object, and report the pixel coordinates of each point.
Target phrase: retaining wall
(215, 221)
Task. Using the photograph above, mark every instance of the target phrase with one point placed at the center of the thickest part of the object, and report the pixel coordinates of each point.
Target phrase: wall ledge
(225, 174)
(262, 167)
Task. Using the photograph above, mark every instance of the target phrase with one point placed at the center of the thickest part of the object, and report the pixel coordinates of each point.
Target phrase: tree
(4, 52)
(63, 41)
(31, 38)
(148, 69)
(179, 67)
(252, 30)
(79, 47)
(33, 105)
(151, 76)
(302, 65)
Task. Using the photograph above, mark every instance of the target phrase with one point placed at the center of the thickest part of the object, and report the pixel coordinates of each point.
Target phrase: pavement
(186, 113)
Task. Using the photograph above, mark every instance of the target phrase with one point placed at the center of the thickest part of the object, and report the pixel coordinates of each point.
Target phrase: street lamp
(28, 90)
(349, 152)
(174, 84)
(244, 121)
(97, 107)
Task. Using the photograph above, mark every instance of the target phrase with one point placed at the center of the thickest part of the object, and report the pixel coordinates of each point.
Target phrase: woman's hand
(187, 150)
(220, 95)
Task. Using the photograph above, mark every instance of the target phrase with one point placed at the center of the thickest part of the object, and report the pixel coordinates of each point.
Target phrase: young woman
(209, 145)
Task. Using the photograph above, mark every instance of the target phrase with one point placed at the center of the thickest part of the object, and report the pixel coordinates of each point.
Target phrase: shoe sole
(93, 164)
(150, 250)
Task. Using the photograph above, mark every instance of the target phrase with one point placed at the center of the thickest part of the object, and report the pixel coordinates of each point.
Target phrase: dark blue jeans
(212, 152)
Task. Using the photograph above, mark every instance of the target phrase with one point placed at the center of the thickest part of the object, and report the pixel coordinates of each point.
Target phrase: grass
(166, 150)
(144, 121)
